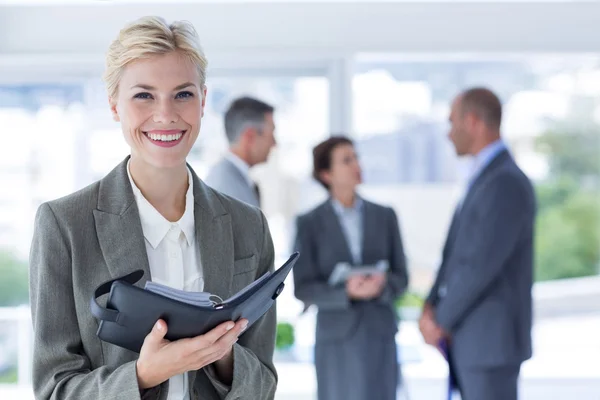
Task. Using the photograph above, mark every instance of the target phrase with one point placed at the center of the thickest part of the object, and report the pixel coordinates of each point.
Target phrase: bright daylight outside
(58, 137)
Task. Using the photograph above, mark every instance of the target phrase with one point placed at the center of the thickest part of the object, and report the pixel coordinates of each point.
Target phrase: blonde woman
(152, 213)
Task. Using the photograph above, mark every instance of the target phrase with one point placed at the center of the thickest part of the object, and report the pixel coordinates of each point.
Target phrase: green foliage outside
(14, 286)
(567, 241)
(9, 376)
(285, 336)
(410, 299)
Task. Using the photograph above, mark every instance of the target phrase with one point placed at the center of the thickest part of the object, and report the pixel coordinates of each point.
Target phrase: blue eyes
(184, 95)
(142, 96)
(148, 96)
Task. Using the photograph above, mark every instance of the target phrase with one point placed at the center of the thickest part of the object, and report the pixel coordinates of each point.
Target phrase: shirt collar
(340, 209)
(154, 226)
(241, 165)
(486, 156)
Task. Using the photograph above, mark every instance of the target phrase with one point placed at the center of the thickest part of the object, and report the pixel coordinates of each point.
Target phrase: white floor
(291, 388)
(565, 366)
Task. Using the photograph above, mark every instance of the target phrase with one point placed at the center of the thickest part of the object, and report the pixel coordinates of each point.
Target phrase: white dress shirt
(351, 219)
(174, 257)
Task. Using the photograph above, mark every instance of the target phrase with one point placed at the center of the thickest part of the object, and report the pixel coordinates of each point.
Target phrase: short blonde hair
(152, 36)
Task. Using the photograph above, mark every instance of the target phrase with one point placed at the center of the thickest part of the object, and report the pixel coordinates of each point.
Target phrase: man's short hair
(242, 113)
(484, 104)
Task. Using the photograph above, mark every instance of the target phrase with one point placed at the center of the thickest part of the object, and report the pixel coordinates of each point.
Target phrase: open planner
(132, 311)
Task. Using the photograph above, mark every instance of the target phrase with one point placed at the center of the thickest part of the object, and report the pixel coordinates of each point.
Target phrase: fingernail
(230, 326)
(244, 325)
(158, 326)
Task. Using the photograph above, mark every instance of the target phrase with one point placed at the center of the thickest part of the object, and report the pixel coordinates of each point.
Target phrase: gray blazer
(95, 235)
(322, 244)
(482, 293)
(228, 179)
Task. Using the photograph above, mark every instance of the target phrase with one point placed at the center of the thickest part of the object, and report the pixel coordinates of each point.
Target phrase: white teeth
(165, 138)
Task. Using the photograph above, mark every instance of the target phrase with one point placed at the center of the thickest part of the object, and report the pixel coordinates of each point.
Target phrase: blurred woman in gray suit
(355, 350)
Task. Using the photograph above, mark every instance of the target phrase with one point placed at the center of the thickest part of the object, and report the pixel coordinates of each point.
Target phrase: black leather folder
(131, 311)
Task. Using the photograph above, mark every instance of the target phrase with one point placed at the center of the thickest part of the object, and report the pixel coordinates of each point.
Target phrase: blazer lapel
(456, 218)
(118, 226)
(121, 238)
(215, 238)
(498, 160)
(337, 235)
(370, 230)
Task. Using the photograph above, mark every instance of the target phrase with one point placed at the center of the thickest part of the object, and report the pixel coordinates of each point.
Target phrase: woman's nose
(165, 113)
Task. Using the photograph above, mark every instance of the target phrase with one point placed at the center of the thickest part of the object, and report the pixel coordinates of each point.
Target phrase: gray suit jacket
(228, 179)
(322, 244)
(95, 235)
(482, 293)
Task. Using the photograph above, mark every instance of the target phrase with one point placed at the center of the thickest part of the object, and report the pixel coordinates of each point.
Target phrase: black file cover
(131, 312)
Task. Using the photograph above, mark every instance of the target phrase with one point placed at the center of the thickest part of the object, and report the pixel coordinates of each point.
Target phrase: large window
(551, 124)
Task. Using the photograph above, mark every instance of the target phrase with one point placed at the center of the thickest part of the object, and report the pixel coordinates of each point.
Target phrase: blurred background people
(355, 351)
(480, 305)
(250, 129)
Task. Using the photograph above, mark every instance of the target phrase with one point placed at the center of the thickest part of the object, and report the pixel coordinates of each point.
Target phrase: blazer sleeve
(397, 277)
(492, 235)
(61, 369)
(433, 296)
(309, 285)
(254, 374)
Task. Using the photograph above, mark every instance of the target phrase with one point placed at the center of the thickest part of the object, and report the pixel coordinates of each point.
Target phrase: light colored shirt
(173, 257)
(351, 220)
(241, 165)
(484, 158)
(479, 162)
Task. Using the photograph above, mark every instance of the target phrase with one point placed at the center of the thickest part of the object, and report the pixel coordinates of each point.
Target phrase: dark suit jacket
(322, 245)
(482, 293)
(95, 235)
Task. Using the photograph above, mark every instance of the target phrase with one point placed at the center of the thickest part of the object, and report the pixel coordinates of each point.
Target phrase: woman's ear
(325, 176)
(113, 109)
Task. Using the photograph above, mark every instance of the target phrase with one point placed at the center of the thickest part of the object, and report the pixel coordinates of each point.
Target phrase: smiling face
(160, 104)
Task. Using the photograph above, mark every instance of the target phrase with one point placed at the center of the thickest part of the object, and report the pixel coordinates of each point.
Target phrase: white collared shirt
(173, 256)
(242, 166)
(351, 220)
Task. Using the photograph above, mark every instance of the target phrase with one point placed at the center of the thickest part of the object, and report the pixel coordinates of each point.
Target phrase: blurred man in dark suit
(480, 306)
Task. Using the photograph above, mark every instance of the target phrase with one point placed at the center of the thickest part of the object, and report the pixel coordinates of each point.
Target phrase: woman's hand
(161, 359)
(365, 287)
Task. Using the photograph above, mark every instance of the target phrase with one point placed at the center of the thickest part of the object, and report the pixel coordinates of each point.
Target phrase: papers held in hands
(343, 271)
(200, 299)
